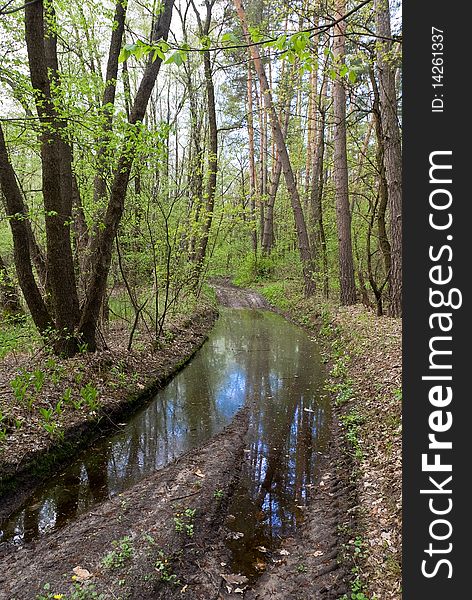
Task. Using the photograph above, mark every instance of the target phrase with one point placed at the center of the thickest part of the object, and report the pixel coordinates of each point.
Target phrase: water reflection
(252, 357)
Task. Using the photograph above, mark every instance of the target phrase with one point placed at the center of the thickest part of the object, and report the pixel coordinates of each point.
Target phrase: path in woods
(129, 547)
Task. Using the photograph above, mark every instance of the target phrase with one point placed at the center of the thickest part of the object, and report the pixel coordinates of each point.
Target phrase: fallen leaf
(198, 473)
(234, 579)
(284, 553)
(81, 574)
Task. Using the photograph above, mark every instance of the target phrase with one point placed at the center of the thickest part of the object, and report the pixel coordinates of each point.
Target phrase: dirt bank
(140, 527)
(44, 428)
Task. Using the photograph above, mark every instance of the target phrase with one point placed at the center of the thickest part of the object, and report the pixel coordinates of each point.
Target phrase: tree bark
(317, 186)
(391, 149)
(56, 175)
(21, 242)
(383, 186)
(9, 298)
(108, 99)
(343, 215)
(252, 161)
(213, 142)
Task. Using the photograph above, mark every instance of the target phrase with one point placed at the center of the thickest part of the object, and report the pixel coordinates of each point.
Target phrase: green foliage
(275, 294)
(77, 591)
(89, 395)
(357, 588)
(254, 269)
(17, 336)
(351, 423)
(20, 384)
(123, 552)
(184, 521)
(164, 568)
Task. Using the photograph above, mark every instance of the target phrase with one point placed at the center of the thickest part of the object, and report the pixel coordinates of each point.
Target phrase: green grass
(18, 337)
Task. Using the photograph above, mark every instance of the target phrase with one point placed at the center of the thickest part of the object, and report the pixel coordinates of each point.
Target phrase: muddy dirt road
(173, 534)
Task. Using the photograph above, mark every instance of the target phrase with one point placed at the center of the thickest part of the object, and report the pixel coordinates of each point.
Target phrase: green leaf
(256, 35)
(126, 52)
(230, 39)
(177, 58)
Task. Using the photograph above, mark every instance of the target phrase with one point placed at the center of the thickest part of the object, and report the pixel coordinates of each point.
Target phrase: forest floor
(131, 546)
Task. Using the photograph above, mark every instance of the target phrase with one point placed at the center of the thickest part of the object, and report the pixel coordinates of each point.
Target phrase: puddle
(252, 357)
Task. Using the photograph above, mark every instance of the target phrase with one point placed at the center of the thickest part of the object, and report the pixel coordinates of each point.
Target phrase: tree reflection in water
(252, 357)
(288, 428)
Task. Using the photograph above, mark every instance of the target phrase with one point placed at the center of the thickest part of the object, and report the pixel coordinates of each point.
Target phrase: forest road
(234, 297)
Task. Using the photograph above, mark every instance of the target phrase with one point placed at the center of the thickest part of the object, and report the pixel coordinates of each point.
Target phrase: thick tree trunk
(109, 98)
(391, 149)
(302, 235)
(10, 303)
(252, 161)
(317, 186)
(21, 242)
(56, 162)
(213, 144)
(268, 237)
(343, 215)
(383, 186)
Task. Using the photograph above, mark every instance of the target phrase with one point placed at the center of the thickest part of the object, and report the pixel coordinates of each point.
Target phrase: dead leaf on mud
(261, 548)
(317, 553)
(198, 473)
(234, 578)
(81, 574)
(259, 565)
(284, 553)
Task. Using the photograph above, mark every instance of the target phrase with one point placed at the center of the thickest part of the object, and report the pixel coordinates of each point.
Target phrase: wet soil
(124, 380)
(172, 535)
(232, 296)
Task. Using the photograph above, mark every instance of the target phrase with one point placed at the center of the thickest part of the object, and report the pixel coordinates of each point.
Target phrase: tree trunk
(391, 149)
(56, 162)
(343, 216)
(108, 99)
(213, 143)
(21, 242)
(9, 298)
(317, 186)
(383, 186)
(302, 235)
(268, 237)
(252, 162)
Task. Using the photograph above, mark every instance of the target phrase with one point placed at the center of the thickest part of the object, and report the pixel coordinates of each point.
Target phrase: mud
(169, 533)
